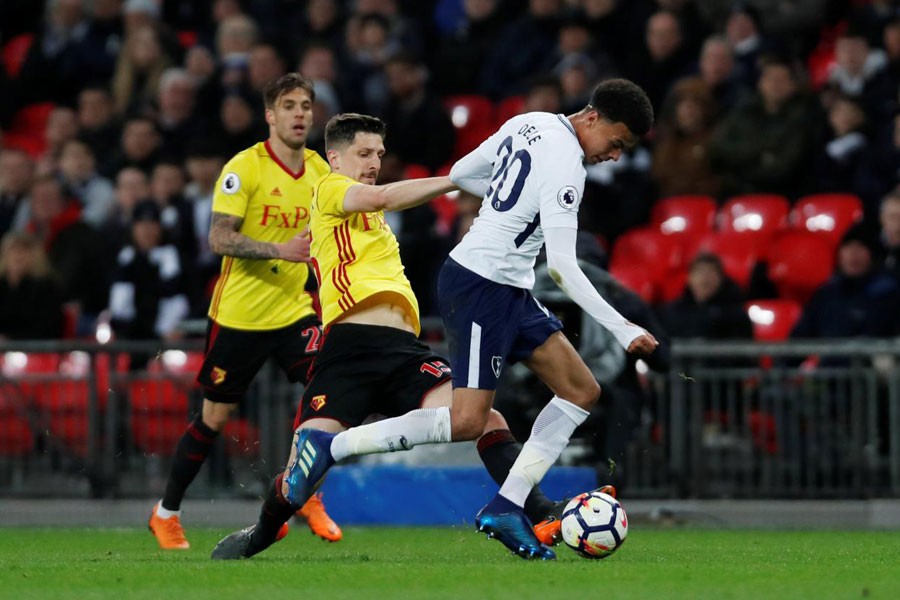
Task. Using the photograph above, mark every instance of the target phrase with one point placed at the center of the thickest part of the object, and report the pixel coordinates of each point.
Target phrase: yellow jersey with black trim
(355, 255)
(274, 203)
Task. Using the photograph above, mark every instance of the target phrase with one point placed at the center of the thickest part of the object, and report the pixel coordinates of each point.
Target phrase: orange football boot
(313, 512)
(169, 532)
(549, 531)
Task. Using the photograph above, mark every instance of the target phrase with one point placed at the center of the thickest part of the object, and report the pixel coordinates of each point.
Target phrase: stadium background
(108, 104)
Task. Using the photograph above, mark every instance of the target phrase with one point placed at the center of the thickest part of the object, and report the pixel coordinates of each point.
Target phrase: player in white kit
(531, 176)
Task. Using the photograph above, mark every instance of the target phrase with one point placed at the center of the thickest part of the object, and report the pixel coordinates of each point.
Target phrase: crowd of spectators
(145, 100)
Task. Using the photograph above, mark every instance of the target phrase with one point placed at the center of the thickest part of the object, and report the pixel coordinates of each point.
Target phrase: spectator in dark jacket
(30, 297)
(712, 306)
(762, 145)
(860, 300)
(72, 246)
(889, 252)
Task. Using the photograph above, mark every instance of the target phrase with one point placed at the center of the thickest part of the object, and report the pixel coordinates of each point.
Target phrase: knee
(587, 395)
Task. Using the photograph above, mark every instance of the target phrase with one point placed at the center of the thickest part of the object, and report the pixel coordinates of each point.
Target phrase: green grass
(393, 563)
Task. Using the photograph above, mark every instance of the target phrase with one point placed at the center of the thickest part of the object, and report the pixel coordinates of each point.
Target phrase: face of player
(361, 160)
(291, 118)
(602, 140)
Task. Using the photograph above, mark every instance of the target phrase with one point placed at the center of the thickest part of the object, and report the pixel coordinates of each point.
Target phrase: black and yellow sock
(276, 511)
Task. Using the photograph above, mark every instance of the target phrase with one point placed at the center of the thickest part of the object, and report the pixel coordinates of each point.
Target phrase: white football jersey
(537, 180)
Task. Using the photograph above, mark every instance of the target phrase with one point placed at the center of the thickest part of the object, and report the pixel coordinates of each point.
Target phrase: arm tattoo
(225, 239)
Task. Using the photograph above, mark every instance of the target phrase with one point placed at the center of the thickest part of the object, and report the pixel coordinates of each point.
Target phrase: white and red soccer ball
(594, 524)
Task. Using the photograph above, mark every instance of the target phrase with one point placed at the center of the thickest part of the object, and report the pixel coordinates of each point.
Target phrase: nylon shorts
(235, 356)
(364, 370)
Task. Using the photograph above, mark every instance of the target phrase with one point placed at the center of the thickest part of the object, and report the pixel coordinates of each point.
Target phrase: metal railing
(728, 420)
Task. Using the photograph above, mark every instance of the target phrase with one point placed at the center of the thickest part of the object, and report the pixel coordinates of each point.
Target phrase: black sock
(276, 511)
(192, 450)
(498, 450)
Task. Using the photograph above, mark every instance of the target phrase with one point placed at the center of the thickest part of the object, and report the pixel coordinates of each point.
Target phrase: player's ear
(333, 159)
(270, 116)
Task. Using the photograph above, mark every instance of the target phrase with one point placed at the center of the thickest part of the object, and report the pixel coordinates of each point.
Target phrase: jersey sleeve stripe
(349, 257)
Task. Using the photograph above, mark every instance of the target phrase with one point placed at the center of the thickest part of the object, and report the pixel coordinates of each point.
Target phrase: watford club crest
(317, 402)
(218, 375)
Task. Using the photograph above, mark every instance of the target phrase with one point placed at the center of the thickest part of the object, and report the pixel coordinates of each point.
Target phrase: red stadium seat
(760, 215)
(773, 320)
(636, 279)
(672, 285)
(473, 118)
(684, 215)
(414, 171)
(739, 253)
(799, 262)
(160, 400)
(509, 108)
(648, 248)
(16, 437)
(827, 215)
(14, 53)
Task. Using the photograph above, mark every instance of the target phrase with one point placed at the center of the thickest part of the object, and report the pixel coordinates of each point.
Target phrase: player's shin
(498, 450)
(549, 436)
(421, 426)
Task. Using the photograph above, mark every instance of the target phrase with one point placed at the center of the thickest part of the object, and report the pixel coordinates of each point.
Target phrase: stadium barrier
(730, 420)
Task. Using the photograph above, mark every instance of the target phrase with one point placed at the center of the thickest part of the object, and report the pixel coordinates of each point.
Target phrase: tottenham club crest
(497, 365)
(231, 183)
(567, 197)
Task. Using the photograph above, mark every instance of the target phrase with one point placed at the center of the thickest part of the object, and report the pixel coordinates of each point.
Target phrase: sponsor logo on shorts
(317, 402)
(218, 375)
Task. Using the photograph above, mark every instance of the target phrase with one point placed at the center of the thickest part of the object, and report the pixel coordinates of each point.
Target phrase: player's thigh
(558, 364)
(233, 358)
(296, 348)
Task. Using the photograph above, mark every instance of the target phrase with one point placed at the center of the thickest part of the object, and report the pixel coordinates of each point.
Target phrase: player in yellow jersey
(260, 308)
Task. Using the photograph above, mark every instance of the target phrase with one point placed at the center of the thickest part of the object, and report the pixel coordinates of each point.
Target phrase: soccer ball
(594, 524)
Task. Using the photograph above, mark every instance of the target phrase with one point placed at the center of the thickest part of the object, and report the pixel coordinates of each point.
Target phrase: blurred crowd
(116, 117)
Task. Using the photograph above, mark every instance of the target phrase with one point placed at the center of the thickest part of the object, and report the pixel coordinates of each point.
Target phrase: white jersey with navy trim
(536, 180)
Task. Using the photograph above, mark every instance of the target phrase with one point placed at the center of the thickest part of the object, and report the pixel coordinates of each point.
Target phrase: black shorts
(363, 370)
(234, 356)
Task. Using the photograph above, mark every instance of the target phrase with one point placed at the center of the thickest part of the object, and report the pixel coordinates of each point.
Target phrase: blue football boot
(507, 522)
(312, 460)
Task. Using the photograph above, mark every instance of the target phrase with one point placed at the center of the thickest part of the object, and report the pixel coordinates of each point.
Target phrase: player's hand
(296, 249)
(643, 345)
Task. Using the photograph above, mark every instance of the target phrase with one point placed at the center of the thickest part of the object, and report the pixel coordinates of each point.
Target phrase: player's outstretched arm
(472, 173)
(399, 195)
(564, 270)
(226, 240)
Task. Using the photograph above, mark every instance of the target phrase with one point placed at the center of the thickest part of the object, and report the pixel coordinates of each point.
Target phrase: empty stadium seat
(774, 319)
(648, 248)
(799, 262)
(473, 119)
(636, 279)
(16, 437)
(760, 215)
(827, 215)
(687, 215)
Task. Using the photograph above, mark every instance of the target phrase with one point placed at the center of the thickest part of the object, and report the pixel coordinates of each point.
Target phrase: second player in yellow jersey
(356, 255)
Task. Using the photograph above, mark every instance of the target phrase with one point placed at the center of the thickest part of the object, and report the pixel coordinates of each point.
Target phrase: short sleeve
(561, 187)
(329, 194)
(236, 185)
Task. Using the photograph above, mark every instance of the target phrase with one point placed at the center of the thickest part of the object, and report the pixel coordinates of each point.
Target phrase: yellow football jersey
(355, 255)
(263, 294)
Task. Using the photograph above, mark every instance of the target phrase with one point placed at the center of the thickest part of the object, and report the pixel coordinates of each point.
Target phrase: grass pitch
(382, 563)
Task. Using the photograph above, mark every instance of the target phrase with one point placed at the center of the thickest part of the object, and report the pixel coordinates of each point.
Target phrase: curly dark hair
(342, 129)
(623, 101)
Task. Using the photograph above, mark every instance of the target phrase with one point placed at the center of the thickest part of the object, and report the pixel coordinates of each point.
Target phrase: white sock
(421, 426)
(549, 436)
(163, 513)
